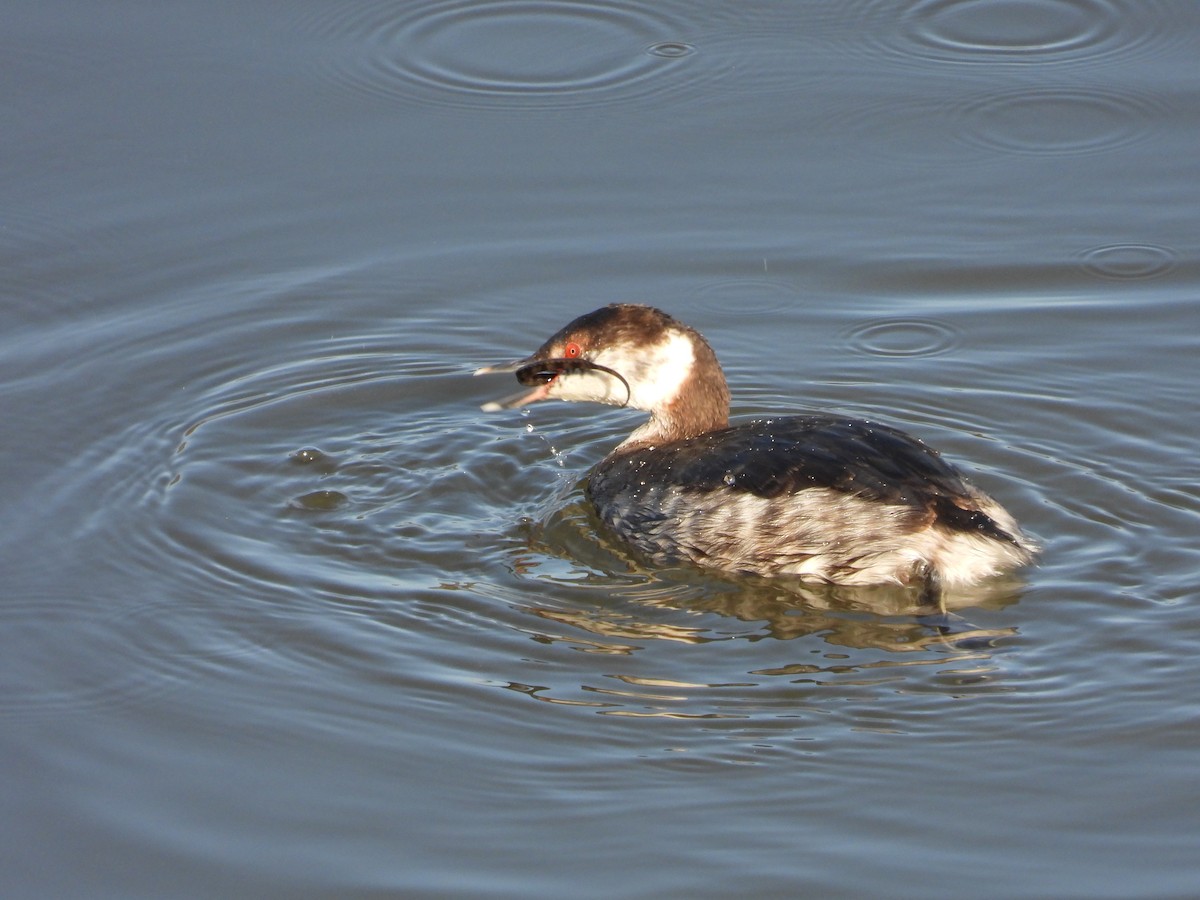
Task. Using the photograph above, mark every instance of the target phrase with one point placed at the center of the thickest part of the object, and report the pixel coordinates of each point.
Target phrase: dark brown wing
(779, 457)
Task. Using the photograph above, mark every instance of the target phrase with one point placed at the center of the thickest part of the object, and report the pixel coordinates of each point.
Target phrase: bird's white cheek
(655, 373)
(588, 387)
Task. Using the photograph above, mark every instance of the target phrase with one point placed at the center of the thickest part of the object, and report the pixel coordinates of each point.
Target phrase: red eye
(572, 350)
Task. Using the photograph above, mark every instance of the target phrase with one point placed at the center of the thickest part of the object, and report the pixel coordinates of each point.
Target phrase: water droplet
(314, 459)
(307, 456)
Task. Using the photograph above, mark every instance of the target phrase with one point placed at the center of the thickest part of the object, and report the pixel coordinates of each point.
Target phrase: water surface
(284, 614)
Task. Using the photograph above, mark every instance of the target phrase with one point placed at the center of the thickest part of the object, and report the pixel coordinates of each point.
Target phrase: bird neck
(698, 406)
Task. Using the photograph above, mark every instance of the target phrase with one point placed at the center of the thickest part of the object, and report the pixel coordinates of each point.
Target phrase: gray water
(285, 615)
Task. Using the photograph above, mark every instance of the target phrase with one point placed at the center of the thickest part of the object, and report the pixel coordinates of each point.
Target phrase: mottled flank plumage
(824, 497)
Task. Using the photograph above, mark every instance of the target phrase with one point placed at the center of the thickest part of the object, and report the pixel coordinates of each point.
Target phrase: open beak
(540, 374)
(523, 398)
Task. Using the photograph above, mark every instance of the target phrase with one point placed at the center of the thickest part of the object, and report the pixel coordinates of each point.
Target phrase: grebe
(820, 496)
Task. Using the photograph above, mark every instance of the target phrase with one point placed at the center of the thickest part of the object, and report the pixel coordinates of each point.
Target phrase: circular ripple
(671, 49)
(553, 53)
(1128, 261)
(903, 338)
(999, 32)
(979, 30)
(272, 485)
(747, 295)
(1063, 121)
(337, 509)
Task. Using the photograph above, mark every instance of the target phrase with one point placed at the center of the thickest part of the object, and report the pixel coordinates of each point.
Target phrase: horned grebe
(820, 496)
